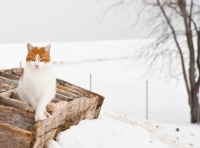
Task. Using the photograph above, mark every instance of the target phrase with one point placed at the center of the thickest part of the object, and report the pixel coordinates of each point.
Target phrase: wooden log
(55, 106)
(9, 75)
(18, 104)
(6, 86)
(15, 117)
(73, 113)
(86, 93)
(56, 100)
(72, 87)
(41, 141)
(56, 120)
(62, 97)
(68, 94)
(101, 98)
(68, 115)
(18, 71)
(8, 81)
(14, 137)
(14, 71)
(91, 111)
(67, 89)
(15, 95)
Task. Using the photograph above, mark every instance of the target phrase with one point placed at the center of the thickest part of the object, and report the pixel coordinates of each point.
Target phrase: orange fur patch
(44, 56)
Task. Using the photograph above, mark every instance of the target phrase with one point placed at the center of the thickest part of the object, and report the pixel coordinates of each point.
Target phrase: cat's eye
(31, 59)
(43, 60)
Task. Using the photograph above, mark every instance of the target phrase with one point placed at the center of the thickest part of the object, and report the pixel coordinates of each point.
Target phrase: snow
(106, 133)
(112, 130)
(124, 88)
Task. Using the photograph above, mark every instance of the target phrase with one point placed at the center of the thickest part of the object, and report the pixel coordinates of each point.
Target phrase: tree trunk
(194, 106)
(194, 113)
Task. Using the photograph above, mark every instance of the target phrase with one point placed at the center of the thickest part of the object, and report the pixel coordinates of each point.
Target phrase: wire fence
(141, 101)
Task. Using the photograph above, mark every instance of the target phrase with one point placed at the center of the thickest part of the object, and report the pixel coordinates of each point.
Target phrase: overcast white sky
(63, 20)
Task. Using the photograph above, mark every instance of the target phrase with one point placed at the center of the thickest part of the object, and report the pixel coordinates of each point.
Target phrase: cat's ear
(47, 48)
(29, 47)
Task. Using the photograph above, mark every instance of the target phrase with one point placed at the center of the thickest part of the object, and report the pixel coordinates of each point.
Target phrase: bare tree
(177, 27)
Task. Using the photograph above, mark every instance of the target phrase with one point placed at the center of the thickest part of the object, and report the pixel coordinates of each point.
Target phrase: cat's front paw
(29, 108)
(39, 117)
(47, 114)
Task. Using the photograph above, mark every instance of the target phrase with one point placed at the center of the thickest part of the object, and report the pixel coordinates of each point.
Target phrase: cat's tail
(54, 106)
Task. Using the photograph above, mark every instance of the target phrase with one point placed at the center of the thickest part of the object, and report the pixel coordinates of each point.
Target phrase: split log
(15, 117)
(14, 137)
(67, 89)
(15, 104)
(65, 93)
(70, 105)
(8, 81)
(9, 75)
(6, 86)
(62, 97)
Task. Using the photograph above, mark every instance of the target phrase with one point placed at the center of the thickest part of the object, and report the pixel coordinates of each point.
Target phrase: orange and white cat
(37, 87)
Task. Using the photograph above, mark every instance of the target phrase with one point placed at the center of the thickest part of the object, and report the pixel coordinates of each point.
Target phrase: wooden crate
(18, 128)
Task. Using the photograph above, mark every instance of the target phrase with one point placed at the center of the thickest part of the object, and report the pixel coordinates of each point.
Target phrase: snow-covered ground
(114, 131)
(124, 91)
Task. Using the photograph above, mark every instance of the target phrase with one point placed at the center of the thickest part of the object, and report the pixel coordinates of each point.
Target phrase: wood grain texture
(8, 81)
(9, 75)
(5, 87)
(14, 137)
(70, 105)
(15, 117)
(18, 104)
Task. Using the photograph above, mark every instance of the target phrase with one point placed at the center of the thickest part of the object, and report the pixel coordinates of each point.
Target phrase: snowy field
(125, 94)
(114, 131)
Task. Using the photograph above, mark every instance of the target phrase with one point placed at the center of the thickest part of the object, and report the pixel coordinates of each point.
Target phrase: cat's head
(38, 57)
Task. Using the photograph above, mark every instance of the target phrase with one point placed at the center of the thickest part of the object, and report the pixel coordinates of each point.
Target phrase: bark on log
(8, 81)
(67, 89)
(9, 75)
(14, 137)
(70, 105)
(15, 117)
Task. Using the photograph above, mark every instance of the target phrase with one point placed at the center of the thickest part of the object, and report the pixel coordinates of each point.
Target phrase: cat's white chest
(36, 84)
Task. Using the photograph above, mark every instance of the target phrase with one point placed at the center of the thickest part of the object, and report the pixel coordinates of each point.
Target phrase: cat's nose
(36, 66)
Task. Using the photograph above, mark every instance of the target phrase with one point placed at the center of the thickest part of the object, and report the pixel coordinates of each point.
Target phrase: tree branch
(179, 48)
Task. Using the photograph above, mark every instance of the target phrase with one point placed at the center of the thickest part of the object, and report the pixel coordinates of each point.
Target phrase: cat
(37, 86)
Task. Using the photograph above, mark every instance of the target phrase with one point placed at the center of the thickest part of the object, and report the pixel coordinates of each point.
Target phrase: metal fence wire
(141, 101)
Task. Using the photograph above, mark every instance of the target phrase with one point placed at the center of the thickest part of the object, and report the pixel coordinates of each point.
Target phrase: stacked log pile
(18, 128)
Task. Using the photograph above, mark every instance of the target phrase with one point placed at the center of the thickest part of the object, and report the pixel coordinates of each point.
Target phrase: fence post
(146, 99)
(90, 82)
(198, 107)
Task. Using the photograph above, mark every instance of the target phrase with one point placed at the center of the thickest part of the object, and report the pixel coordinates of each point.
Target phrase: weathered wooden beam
(15, 117)
(41, 141)
(67, 94)
(9, 75)
(62, 97)
(4, 86)
(67, 89)
(17, 71)
(52, 106)
(8, 81)
(14, 137)
(18, 104)
(72, 87)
